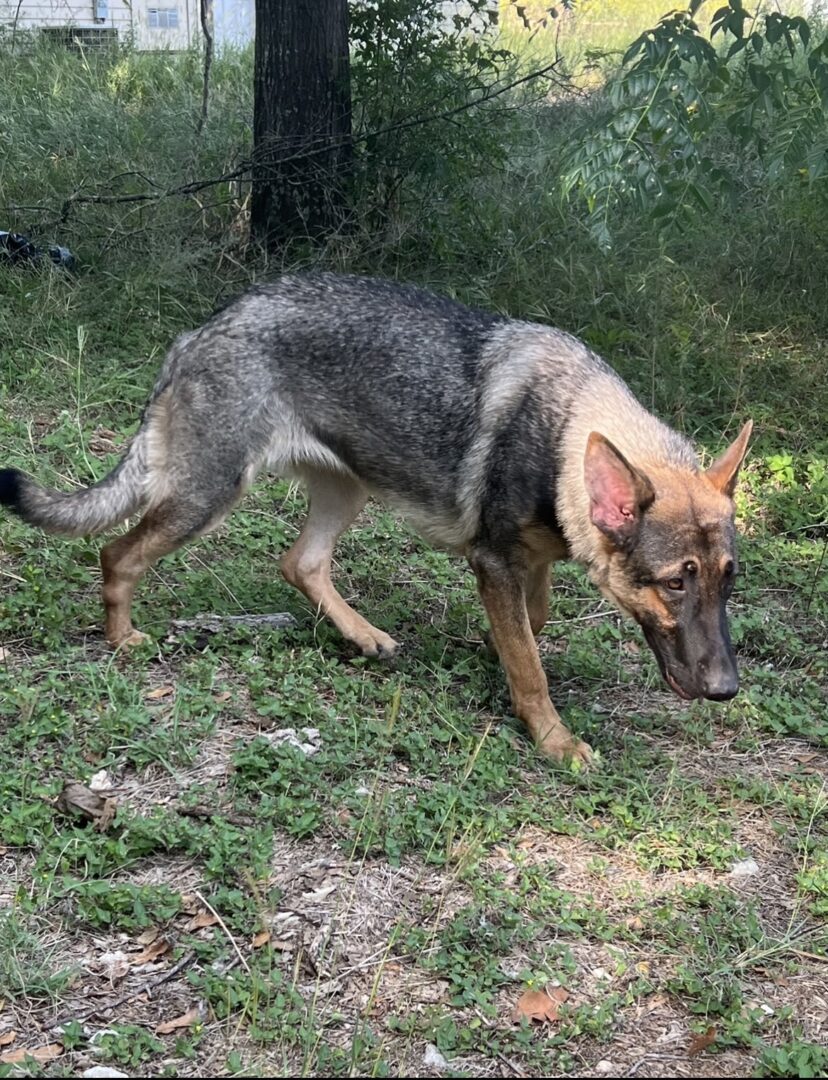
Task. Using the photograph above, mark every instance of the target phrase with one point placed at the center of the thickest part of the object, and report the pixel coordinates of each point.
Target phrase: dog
(505, 441)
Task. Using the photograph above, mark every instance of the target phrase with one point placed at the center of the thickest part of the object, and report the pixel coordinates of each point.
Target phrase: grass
(337, 913)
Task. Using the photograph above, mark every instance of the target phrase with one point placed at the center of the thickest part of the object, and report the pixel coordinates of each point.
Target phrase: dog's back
(504, 440)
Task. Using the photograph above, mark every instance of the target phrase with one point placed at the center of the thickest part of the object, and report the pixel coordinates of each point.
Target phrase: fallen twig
(214, 624)
(224, 927)
(145, 988)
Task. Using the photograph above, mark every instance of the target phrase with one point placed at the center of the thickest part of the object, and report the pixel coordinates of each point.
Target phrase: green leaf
(759, 77)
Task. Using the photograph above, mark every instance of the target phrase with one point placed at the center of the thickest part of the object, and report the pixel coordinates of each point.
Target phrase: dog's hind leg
(124, 562)
(335, 501)
(161, 531)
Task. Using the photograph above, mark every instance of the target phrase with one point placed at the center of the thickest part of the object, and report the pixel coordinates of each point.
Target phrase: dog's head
(669, 559)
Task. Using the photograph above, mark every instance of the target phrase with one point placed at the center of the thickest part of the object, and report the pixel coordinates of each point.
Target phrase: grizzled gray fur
(505, 441)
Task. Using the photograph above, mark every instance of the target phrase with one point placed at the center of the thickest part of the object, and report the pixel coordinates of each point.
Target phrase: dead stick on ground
(145, 988)
(810, 955)
(223, 925)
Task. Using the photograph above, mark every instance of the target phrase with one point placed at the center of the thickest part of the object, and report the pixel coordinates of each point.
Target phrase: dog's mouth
(669, 678)
(655, 644)
(676, 688)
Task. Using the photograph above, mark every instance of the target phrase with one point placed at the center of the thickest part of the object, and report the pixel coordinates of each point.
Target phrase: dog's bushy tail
(85, 512)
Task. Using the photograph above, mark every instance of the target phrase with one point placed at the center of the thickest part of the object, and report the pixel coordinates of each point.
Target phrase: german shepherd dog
(507, 442)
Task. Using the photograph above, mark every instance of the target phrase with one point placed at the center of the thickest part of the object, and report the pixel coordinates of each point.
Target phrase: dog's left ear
(618, 492)
(724, 471)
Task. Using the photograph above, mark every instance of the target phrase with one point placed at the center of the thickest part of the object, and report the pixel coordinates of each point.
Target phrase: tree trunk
(301, 119)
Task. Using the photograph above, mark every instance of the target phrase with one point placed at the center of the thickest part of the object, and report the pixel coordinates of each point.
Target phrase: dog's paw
(563, 747)
(379, 646)
(133, 640)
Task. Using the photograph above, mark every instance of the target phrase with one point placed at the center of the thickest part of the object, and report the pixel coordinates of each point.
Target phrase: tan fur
(509, 442)
(335, 501)
(505, 602)
(123, 563)
(607, 406)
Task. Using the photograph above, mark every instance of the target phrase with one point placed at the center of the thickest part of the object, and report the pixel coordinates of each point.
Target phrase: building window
(163, 18)
(81, 37)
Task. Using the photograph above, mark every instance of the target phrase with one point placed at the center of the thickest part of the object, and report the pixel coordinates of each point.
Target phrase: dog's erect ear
(618, 492)
(724, 471)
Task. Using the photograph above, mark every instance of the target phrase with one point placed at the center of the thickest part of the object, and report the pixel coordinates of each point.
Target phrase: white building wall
(150, 24)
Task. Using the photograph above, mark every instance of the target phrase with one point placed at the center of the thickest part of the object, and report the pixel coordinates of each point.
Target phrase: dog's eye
(729, 568)
(676, 584)
(690, 568)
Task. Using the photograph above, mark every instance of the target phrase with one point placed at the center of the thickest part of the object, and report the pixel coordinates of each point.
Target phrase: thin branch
(223, 925)
(14, 24)
(145, 988)
(206, 10)
(816, 575)
(277, 159)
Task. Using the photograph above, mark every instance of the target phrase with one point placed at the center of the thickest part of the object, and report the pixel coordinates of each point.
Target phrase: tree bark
(301, 119)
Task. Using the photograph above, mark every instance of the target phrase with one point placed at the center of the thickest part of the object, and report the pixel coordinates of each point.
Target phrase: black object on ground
(17, 249)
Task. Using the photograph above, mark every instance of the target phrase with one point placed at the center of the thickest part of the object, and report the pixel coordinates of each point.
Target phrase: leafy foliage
(678, 107)
(409, 65)
(511, 874)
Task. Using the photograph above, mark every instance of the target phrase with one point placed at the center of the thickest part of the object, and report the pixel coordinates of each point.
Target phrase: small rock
(100, 782)
(318, 895)
(307, 739)
(607, 1068)
(433, 1059)
(103, 1070)
(744, 868)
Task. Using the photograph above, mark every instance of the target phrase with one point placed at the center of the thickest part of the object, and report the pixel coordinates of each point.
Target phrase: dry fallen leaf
(655, 1002)
(7, 1038)
(189, 904)
(148, 936)
(225, 695)
(261, 938)
(76, 800)
(190, 1017)
(158, 692)
(99, 444)
(540, 1005)
(318, 895)
(803, 759)
(202, 919)
(39, 1053)
(113, 965)
(152, 952)
(700, 1043)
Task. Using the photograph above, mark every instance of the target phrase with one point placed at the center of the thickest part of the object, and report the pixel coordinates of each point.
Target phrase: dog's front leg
(502, 589)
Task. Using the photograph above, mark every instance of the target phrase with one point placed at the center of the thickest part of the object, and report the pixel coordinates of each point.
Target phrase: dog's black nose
(721, 685)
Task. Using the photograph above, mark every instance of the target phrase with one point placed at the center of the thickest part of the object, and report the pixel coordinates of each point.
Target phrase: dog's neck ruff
(605, 404)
